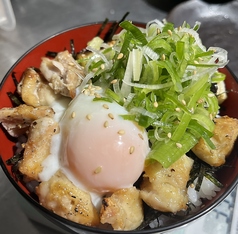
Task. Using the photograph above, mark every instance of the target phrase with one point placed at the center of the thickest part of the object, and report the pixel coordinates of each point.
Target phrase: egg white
(76, 119)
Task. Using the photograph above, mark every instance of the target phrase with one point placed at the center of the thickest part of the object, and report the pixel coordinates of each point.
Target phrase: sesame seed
(105, 106)
(211, 117)
(155, 104)
(114, 81)
(132, 149)
(158, 31)
(98, 88)
(200, 101)
(102, 66)
(71, 64)
(88, 117)
(97, 95)
(178, 145)
(184, 102)
(120, 56)
(86, 92)
(106, 124)
(111, 116)
(163, 57)
(141, 136)
(73, 114)
(98, 170)
(177, 109)
(121, 132)
(170, 32)
(169, 135)
(196, 62)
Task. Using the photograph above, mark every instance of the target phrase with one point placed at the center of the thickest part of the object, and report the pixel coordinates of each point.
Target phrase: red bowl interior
(228, 175)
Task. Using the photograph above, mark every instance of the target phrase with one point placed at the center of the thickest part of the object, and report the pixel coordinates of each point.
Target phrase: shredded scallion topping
(164, 77)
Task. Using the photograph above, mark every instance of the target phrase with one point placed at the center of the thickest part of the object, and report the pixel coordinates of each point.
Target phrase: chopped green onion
(109, 93)
(135, 31)
(164, 77)
(105, 99)
(170, 152)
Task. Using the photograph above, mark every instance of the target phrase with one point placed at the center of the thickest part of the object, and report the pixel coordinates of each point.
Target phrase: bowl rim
(70, 225)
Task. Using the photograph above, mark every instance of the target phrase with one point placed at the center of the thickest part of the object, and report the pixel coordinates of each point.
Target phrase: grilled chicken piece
(123, 209)
(225, 134)
(62, 197)
(164, 189)
(37, 147)
(17, 120)
(34, 89)
(63, 73)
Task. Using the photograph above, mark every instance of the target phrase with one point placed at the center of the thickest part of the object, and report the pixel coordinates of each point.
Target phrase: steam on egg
(96, 148)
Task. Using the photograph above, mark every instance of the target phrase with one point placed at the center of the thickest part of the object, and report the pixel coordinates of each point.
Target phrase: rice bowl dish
(120, 105)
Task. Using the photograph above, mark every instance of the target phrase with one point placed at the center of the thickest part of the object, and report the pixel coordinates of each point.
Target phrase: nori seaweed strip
(16, 173)
(214, 88)
(150, 215)
(200, 178)
(201, 169)
(51, 54)
(15, 79)
(113, 29)
(102, 27)
(14, 159)
(14, 98)
(74, 54)
(210, 177)
(36, 69)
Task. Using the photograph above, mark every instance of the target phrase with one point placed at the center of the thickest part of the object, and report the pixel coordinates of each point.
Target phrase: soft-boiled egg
(99, 150)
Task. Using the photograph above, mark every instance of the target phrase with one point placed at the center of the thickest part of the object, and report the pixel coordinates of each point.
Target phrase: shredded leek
(164, 76)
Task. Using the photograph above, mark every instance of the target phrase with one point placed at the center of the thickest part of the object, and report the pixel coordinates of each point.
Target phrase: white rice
(207, 190)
